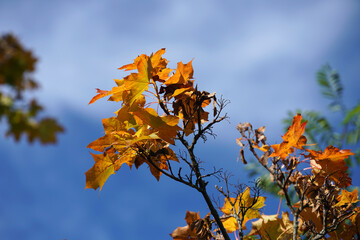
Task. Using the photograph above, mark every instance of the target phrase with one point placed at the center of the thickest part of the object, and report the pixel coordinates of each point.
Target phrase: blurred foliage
(320, 129)
(22, 115)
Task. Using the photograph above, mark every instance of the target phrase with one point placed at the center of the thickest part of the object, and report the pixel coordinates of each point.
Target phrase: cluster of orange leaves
(328, 176)
(328, 163)
(160, 105)
(138, 134)
(325, 165)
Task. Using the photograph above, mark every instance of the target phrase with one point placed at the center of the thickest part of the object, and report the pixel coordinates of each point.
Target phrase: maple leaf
(117, 92)
(127, 156)
(186, 232)
(293, 138)
(159, 64)
(113, 130)
(46, 130)
(331, 163)
(161, 165)
(148, 67)
(126, 116)
(307, 214)
(183, 74)
(234, 206)
(137, 83)
(159, 155)
(101, 94)
(112, 125)
(176, 90)
(125, 150)
(187, 107)
(271, 227)
(263, 148)
(102, 143)
(267, 227)
(182, 90)
(196, 228)
(166, 127)
(105, 165)
(231, 225)
(346, 198)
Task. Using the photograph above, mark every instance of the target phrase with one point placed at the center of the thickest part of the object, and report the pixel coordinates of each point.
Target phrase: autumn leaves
(162, 106)
(315, 177)
(138, 134)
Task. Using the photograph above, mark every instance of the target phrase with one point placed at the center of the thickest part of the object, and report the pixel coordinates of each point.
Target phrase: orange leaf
(166, 127)
(182, 75)
(101, 94)
(117, 93)
(155, 172)
(293, 138)
(137, 83)
(295, 132)
(163, 74)
(102, 169)
(331, 163)
(186, 231)
(346, 197)
(196, 228)
(157, 61)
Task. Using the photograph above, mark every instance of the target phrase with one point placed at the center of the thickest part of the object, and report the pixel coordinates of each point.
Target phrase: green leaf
(352, 114)
(329, 81)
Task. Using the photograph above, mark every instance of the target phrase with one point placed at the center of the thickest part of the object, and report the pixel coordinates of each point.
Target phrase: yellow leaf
(166, 127)
(346, 197)
(137, 83)
(271, 227)
(163, 74)
(101, 143)
(181, 91)
(263, 148)
(99, 173)
(267, 227)
(243, 201)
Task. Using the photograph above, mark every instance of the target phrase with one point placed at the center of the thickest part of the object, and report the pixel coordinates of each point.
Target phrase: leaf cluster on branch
(320, 129)
(319, 179)
(161, 107)
(22, 115)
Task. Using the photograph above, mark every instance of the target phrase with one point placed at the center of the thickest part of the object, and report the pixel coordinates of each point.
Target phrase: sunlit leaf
(183, 74)
(196, 229)
(271, 227)
(346, 197)
(234, 206)
(293, 138)
(166, 126)
(331, 163)
(104, 167)
(116, 92)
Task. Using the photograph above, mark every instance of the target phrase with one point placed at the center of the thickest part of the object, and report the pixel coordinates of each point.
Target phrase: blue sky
(261, 55)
